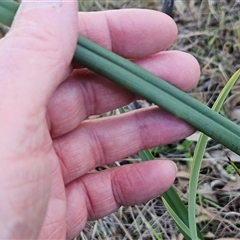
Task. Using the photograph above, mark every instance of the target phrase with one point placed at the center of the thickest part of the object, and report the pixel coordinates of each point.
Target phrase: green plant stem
(158, 91)
(173, 200)
(152, 88)
(170, 197)
(7, 12)
(181, 224)
(193, 182)
(234, 166)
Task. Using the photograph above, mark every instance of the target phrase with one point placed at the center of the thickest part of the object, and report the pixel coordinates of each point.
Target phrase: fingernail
(175, 166)
(28, 4)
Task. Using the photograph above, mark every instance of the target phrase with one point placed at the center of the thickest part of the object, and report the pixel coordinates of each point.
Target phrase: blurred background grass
(210, 31)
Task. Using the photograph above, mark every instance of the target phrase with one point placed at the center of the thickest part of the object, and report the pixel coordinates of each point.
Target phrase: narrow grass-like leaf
(145, 155)
(180, 210)
(233, 165)
(170, 196)
(80, 9)
(5, 16)
(7, 12)
(11, 6)
(121, 110)
(157, 237)
(178, 220)
(173, 200)
(198, 156)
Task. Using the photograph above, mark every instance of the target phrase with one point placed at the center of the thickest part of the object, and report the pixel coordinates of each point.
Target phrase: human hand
(48, 148)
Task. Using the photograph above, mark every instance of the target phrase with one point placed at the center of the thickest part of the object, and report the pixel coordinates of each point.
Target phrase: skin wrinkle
(88, 97)
(97, 148)
(59, 195)
(164, 59)
(61, 107)
(138, 181)
(100, 188)
(119, 133)
(55, 203)
(105, 86)
(47, 15)
(29, 203)
(123, 32)
(143, 128)
(177, 66)
(68, 227)
(52, 124)
(109, 33)
(29, 127)
(17, 224)
(138, 176)
(88, 200)
(96, 30)
(34, 37)
(59, 152)
(22, 201)
(65, 113)
(109, 44)
(153, 119)
(117, 189)
(128, 186)
(90, 152)
(138, 35)
(30, 39)
(53, 226)
(71, 173)
(140, 128)
(77, 205)
(56, 230)
(63, 151)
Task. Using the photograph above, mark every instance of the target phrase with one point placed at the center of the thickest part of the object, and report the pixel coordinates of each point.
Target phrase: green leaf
(181, 224)
(198, 156)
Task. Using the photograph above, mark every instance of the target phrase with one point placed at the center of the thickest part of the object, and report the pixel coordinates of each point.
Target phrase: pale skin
(48, 148)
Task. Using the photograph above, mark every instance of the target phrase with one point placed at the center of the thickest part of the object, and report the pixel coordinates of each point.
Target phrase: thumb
(36, 53)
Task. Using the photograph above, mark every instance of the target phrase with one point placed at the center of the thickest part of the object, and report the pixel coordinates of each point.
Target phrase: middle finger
(105, 140)
(85, 93)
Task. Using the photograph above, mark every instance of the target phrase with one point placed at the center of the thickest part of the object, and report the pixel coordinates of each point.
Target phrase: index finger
(131, 33)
